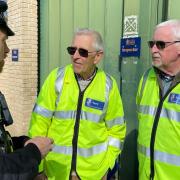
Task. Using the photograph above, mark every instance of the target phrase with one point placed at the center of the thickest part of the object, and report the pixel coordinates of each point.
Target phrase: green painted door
(59, 19)
(173, 9)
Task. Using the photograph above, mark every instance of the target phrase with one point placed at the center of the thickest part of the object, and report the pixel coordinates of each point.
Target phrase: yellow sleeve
(115, 124)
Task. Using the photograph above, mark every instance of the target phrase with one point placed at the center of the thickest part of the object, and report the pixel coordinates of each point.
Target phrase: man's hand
(41, 176)
(44, 144)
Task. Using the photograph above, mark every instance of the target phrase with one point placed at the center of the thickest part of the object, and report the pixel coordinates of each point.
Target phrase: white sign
(130, 26)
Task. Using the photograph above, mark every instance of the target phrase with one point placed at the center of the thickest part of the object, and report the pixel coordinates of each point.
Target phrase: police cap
(3, 24)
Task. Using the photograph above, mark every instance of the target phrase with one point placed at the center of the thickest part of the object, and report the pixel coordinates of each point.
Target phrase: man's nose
(154, 49)
(76, 54)
(7, 49)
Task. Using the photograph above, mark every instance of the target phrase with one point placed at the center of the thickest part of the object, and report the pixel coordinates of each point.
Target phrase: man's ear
(98, 57)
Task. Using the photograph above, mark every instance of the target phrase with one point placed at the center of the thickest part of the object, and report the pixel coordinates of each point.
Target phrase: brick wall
(19, 79)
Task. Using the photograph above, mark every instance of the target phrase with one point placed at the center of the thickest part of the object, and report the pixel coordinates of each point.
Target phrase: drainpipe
(38, 51)
(165, 10)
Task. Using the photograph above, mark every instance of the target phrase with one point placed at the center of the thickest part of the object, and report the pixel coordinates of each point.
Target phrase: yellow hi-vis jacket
(88, 127)
(159, 130)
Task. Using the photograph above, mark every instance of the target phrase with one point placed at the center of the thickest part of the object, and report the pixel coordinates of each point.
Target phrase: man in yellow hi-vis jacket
(80, 107)
(158, 102)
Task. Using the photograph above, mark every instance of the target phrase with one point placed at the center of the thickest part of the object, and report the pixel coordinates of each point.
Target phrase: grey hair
(174, 23)
(98, 42)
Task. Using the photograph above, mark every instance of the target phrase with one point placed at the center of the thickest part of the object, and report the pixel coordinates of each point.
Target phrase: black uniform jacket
(22, 164)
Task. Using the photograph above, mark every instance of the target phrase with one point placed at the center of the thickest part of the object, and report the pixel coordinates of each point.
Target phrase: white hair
(98, 42)
(174, 24)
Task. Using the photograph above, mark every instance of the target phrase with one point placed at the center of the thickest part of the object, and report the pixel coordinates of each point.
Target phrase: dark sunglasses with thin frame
(161, 44)
(82, 52)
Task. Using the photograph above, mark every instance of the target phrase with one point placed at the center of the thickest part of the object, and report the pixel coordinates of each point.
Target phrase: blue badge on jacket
(174, 98)
(94, 104)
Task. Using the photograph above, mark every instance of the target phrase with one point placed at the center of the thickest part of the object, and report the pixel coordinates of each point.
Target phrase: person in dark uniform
(19, 156)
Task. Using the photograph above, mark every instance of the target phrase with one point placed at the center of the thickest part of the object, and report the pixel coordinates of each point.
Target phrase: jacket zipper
(76, 128)
(154, 129)
(76, 132)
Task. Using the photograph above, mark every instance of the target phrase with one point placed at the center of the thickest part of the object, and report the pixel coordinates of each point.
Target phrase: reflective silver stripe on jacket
(160, 156)
(65, 114)
(67, 150)
(90, 116)
(147, 110)
(72, 114)
(58, 88)
(109, 85)
(145, 76)
(87, 152)
(165, 113)
(42, 111)
(114, 122)
(59, 83)
(170, 114)
(115, 142)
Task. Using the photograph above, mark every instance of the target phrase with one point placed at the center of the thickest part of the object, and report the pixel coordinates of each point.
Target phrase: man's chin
(156, 64)
(1, 65)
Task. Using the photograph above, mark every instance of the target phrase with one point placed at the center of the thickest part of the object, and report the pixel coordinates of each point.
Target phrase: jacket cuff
(34, 151)
(18, 142)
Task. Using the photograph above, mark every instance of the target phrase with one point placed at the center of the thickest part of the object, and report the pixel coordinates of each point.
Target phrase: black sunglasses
(82, 52)
(161, 44)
